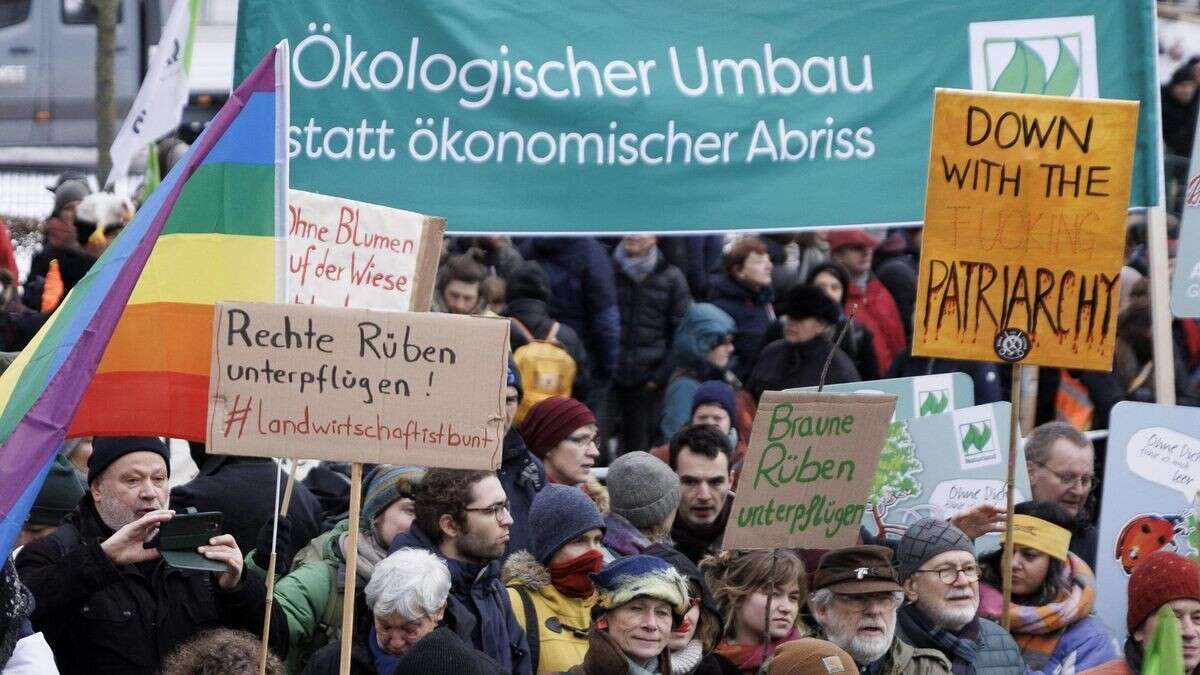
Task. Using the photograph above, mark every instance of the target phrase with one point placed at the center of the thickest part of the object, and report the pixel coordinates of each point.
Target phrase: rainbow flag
(128, 350)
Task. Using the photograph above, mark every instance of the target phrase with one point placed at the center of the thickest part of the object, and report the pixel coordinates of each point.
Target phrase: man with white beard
(941, 584)
(855, 597)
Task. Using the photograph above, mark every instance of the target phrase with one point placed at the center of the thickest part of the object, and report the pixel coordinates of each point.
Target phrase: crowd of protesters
(644, 356)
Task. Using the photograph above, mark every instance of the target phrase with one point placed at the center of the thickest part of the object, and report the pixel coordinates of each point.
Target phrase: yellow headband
(1044, 536)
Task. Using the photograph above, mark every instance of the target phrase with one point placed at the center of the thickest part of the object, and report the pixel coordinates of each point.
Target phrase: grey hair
(1037, 445)
(822, 598)
(410, 583)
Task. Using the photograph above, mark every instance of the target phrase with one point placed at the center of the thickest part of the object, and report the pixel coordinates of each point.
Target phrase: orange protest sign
(1024, 228)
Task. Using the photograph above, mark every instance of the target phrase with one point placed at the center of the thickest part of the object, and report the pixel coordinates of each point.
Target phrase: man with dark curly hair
(463, 517)
(220, 652)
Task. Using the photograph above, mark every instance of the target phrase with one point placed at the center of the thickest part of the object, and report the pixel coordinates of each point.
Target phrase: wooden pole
(351, 566)
(283, 509)
(1006, 560)
(1160, 310)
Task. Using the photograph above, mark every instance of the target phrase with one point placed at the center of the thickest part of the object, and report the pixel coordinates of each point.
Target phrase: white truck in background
(47, 67)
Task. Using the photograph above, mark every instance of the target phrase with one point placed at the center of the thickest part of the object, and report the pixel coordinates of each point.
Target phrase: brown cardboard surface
(346, 253)
(357, 385)
(1024, 228)
(808, 470)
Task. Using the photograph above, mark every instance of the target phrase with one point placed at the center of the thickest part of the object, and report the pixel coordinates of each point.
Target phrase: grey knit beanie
(642, 489)
(559, 514)
(926, 538)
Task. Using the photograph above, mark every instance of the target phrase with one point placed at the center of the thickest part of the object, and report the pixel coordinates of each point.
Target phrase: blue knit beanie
(558, 515)
(718, 392)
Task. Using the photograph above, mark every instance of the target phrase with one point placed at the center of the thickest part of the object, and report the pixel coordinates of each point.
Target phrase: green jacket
(902, 659)
(310, 596)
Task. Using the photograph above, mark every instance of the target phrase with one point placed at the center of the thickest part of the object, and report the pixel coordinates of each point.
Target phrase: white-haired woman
(405, 600)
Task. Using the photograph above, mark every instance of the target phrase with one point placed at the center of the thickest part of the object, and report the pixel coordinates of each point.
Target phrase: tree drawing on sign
(896, 477)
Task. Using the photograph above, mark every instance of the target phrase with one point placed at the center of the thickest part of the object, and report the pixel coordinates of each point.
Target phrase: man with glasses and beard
(941, 584)
(463, 517)
(855, 597)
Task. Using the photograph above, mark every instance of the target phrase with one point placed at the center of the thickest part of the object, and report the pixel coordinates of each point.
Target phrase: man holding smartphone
(106, 603)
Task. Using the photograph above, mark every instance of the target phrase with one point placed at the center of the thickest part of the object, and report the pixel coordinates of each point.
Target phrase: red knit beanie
(552, 420)
(1158, 579)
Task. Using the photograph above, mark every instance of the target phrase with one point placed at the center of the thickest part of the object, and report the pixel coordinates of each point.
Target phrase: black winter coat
(650, 310)
(243, 490)
(99, 618)
(533, 315)
(583, 294)
(522, 476)
(752, 314)
(782, 365)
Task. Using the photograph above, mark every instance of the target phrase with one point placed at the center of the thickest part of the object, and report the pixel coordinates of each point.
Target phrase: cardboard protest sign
(938, 465)
(808, 470)
(344, 253)
(1151, 476)
(357, 385)
(916, 396)
(1024, 229)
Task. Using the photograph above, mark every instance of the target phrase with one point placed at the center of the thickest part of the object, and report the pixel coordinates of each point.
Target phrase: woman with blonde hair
(743, 582)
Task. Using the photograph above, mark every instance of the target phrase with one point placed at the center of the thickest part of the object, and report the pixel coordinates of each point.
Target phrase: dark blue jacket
(752, 314)
(583, 294)
(478, 610)
(697, 256)
(522, 476)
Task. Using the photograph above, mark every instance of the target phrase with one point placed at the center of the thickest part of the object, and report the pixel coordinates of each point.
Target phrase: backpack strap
(521, 329)
(532, 634)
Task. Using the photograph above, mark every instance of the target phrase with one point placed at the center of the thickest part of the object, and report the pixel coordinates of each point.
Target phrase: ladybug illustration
(1143, 535)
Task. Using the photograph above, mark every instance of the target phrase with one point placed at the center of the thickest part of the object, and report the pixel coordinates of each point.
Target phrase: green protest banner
(808, 470)
(668, 117)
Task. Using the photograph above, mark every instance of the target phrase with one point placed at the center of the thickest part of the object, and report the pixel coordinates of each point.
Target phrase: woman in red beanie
(1163, 578)
(562, 433)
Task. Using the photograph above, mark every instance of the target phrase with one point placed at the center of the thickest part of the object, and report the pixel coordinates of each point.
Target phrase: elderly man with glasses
(941, 584)
(1062, 470)
(855, 597)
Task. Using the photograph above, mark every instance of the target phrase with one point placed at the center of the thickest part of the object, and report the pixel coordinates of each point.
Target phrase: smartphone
(178, 538)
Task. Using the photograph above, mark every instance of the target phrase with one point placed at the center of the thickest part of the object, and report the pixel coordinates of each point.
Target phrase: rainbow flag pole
(128, 351)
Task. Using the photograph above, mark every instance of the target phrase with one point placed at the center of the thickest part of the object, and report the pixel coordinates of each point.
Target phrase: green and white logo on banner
(585, 117)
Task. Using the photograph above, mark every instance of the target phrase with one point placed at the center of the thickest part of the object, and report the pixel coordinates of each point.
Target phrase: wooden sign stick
(283, 509)
(351, 566)
(1006, 560)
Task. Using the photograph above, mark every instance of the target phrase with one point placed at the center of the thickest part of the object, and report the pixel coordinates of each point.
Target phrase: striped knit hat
(384, 485)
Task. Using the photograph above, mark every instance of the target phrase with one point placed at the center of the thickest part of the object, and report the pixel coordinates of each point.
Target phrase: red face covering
(571, 577)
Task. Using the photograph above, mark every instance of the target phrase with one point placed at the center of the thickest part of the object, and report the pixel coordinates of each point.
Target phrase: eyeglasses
(583, 439)
(949, 575)
(1085, 481)
(859, 602)
(497, 511)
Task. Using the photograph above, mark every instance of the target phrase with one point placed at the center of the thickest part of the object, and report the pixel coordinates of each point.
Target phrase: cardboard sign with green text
(808, 471)
(357, 385)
